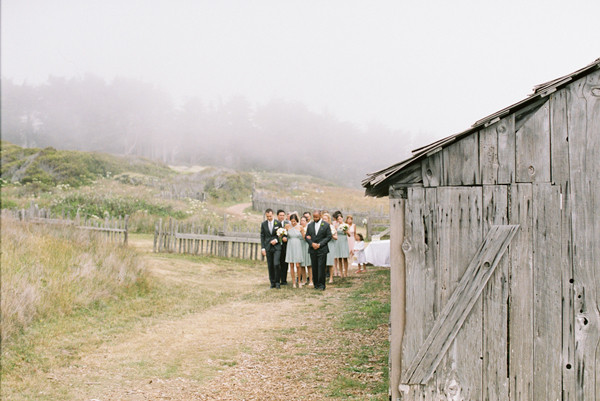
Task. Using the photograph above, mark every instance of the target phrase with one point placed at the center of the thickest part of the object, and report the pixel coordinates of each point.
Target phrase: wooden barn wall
(583, 130)
(534, 333)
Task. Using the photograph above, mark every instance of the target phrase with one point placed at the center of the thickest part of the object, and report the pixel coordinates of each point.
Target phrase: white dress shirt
(317, 225)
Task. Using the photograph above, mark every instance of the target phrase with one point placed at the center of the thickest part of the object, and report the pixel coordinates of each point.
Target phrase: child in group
(359, 252)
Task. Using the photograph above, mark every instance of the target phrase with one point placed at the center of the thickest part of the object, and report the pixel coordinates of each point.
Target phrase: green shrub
(47, 167)
(102, 205)
(232, 187)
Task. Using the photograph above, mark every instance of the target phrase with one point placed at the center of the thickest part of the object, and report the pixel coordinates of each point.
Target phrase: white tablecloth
(378, 253)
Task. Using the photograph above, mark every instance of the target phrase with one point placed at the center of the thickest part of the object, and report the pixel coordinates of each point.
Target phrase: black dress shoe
(277, 286)
(284, 283)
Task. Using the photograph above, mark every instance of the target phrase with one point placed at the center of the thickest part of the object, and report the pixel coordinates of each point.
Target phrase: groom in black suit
(318, 234)
(271, 247)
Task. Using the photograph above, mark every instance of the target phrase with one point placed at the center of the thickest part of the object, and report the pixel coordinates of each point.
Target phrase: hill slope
(49, 167)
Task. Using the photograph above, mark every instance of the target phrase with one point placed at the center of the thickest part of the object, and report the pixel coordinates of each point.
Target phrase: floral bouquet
(345, 227)
(281, 232)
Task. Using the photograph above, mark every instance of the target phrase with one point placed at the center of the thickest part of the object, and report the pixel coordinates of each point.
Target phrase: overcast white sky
(427, 67)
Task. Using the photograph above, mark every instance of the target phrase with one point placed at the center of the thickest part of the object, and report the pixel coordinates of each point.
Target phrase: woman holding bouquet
(294, 255)
(342, 249)
(330, 255)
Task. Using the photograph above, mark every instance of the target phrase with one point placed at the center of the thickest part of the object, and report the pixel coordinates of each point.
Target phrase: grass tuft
(50, 271)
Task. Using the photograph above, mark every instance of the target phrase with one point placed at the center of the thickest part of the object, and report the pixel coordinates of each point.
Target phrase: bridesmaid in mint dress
(306, 265)
(332, 246)
(294, 254)
(342, 248)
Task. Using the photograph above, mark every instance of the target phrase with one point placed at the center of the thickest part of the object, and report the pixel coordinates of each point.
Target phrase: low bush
(90, 205)
(45, 168)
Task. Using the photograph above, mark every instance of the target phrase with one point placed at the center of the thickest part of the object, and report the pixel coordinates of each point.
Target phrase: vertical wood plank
(521, 295)
(559, 169)
(488, 155)
(431, 170)
(547, 317)
(420, 246)
(460, 162)
(398, 288)
(506, 150)
(559, 138)
(495, 303)
(533, 147)
(460, 232)
(583, 121)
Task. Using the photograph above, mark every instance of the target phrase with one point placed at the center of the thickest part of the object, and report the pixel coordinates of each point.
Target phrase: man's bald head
(316, 215)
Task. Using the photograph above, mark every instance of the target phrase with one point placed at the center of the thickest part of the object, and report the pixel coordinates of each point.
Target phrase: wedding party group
(311, 247)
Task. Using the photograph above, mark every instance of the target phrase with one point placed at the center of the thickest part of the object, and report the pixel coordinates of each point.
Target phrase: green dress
(306, 261)
(342, 249)
(294, 253)
(332, 249)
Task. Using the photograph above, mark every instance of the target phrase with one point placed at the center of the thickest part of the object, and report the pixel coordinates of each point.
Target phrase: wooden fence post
(126, 234)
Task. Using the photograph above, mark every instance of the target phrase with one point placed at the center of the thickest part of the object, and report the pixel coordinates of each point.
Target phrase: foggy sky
(426, 67)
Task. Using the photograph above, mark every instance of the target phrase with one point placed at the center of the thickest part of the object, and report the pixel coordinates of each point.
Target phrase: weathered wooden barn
(495, 249)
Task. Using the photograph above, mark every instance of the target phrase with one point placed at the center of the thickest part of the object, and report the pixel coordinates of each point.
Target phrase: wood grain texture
(488, 155)
(460, 162)
(583, 122)
(559, 164)
(495, 303)
(460, 304)
(521, 295)
(409, 175)
(505, 129)
(559, 138)
(547, 314)
(419, 247)
(431, 170)
(398, 285)
(460, 232)
(497, 152)
(533, 147)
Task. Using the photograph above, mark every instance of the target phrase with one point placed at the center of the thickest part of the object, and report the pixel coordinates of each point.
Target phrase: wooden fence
(111, 229)
(174, 237)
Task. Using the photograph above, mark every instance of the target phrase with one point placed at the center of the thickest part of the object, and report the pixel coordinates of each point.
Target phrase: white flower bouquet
(281, 232)
(345, 227)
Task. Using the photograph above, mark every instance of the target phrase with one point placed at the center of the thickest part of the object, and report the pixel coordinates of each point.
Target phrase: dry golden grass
(50, 271)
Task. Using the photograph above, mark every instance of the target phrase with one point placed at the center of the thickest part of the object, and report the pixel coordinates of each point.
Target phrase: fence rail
(168, 238)
(112, 229)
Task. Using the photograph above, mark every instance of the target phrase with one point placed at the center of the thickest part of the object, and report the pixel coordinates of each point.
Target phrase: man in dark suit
(283, 271)
(318, 235)
(271, 247)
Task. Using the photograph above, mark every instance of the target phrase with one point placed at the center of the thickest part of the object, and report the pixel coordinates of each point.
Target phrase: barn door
(449, 260)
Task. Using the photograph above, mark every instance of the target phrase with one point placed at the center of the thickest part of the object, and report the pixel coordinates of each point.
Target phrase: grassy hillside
(97, 185)
(50, 167)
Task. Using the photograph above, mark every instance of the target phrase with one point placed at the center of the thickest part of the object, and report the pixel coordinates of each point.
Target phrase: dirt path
(238, 210)
(257, 344)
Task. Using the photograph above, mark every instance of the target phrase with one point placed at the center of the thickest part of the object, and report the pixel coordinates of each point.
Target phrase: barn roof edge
(377, 183)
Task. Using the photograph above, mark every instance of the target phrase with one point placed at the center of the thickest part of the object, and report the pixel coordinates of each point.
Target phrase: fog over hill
(130, 117)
